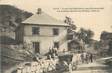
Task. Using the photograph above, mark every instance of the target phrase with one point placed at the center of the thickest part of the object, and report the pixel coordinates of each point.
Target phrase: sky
(96, 21)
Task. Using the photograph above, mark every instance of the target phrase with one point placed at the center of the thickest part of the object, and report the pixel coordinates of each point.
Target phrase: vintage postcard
(56, 36)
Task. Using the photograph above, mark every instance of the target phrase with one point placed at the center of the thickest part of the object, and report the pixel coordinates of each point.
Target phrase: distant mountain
(10, 17)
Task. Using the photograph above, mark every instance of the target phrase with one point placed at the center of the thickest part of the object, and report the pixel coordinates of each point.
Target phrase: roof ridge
(44, 18)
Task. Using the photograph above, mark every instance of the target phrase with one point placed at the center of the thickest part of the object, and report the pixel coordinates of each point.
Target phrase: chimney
(39, 11)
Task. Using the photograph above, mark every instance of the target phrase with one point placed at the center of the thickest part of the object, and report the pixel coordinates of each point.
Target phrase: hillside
(10, 18)
(10, 14)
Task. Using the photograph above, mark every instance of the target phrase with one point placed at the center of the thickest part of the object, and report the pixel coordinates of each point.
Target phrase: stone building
(43, 32)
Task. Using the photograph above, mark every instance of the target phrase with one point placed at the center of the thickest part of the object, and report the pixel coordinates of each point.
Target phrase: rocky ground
(95, 67)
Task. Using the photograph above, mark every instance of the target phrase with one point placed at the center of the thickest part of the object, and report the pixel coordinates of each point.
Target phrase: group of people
(39, 66)
(49, 64)
(82, 58)
(53, 52)
(87, 57)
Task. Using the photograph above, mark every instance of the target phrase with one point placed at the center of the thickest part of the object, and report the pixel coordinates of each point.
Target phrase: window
(36, 46)
(35, 30)
(55, 31)
(56, 44)
(70, 37)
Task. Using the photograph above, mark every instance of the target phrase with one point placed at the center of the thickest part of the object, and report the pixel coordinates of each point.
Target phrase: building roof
(44, 19)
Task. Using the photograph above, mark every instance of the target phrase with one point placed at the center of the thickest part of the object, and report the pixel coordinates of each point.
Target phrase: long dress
(70, 67)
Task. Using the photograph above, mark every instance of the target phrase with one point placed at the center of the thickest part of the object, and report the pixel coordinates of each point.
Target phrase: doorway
(36, 46)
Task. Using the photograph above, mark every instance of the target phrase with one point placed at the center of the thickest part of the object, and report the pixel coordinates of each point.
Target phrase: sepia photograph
(55, 36)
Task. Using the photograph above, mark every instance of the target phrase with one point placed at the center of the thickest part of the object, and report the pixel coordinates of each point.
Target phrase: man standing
(91, 57)
(82, 58)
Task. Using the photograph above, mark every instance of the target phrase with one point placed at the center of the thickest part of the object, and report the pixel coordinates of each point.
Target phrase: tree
(97, 45)
(110, 47)
(71, 29)
(85, 35)
(69, 21)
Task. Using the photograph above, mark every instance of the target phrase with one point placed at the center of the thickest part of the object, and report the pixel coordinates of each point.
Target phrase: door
(36, 46)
